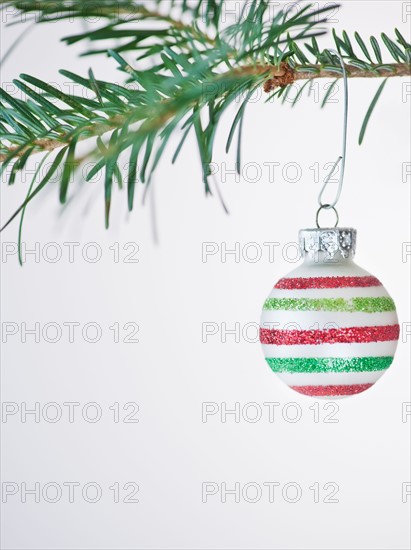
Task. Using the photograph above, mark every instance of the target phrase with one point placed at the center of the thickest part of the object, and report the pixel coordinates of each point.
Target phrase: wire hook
(341, 159)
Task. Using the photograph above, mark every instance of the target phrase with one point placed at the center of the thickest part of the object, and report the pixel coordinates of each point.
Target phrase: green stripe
(328, 364)
(366, 305)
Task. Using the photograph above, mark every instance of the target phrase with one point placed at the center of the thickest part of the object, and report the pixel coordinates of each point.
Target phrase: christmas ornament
(329, 328)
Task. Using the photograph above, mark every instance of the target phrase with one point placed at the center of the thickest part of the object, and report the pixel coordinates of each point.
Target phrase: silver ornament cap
(331, 242)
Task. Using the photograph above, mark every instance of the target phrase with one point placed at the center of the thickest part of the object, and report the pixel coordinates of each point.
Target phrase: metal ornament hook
(341, 159)
(326, 207)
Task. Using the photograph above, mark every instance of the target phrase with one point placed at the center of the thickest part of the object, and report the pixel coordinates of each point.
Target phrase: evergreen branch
(274, 77)
(196, 70)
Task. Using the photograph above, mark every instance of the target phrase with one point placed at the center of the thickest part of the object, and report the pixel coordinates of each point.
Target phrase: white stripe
(345, 292)
(322, 320)
(328, 269)
(369, 349)
(326, 378)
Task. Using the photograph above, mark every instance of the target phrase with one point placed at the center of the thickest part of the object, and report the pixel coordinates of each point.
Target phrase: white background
(170, 372)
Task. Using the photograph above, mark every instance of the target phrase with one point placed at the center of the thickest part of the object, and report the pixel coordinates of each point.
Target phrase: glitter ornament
(329, 328)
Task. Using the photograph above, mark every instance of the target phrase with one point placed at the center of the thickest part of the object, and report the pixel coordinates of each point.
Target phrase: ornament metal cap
(333, 242)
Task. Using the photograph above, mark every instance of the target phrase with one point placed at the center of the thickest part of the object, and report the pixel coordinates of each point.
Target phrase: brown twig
(285, 75)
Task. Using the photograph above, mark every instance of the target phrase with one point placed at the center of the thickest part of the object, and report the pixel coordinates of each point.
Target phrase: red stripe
(346, 335)
(293, 283)
(332, 389)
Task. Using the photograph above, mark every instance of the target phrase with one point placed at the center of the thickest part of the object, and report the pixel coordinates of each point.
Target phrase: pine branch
(276, 77)
(196, 70)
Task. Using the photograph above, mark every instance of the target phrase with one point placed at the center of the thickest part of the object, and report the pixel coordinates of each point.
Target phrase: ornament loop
(326, 207)
(341, 158)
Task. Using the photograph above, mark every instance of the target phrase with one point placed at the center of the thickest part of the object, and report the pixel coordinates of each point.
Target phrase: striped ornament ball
(329, 328)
